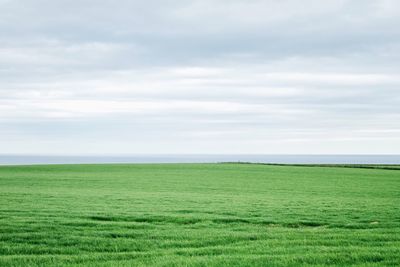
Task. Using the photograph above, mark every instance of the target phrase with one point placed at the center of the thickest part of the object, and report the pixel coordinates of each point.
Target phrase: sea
(199, 158)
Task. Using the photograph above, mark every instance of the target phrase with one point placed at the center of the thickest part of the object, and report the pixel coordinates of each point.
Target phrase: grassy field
(198, 215)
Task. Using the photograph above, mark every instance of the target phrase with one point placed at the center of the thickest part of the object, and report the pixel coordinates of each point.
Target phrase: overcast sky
(200, 76)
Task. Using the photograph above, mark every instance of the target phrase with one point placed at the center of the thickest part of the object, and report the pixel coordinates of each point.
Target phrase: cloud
(199, 76)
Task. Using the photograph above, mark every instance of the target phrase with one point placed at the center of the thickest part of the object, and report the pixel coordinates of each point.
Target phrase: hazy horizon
(199, 158)
(200, 77)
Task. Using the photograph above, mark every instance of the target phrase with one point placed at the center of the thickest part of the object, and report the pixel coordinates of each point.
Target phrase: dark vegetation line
(394, 167)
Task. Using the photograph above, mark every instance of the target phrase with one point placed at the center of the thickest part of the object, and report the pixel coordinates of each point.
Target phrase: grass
(198, 215)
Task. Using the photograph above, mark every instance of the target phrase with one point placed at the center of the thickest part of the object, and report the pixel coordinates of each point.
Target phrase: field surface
(199, 215)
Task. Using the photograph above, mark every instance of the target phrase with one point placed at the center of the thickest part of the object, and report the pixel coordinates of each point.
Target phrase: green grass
(198, 215)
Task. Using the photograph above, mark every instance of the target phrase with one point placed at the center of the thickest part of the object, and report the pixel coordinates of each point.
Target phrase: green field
(198, 215)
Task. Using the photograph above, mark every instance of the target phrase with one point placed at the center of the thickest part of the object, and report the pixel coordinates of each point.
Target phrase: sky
(199, 77)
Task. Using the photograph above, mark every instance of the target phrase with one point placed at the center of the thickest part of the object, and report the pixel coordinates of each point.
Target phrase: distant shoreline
(203, 158)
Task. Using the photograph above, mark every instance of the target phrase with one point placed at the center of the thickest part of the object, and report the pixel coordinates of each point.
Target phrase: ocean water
(286, 159)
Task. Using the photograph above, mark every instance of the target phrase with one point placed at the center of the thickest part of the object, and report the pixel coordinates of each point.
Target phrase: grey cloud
(260, 76)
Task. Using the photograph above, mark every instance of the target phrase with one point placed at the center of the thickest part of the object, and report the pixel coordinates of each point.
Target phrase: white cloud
(199, 76)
